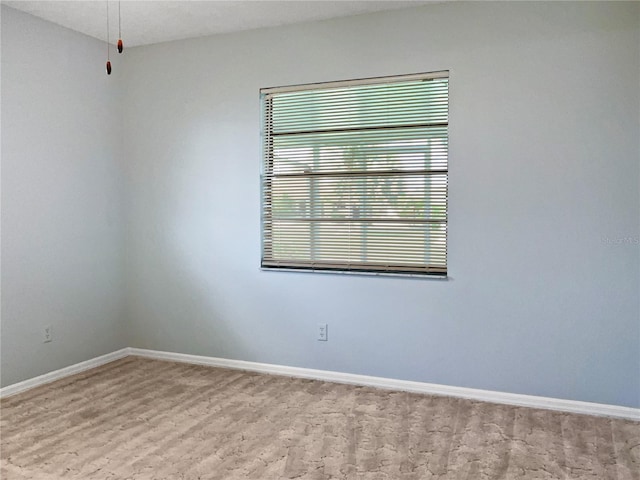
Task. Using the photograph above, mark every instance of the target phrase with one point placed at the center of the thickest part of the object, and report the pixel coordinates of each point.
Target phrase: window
(354, 175)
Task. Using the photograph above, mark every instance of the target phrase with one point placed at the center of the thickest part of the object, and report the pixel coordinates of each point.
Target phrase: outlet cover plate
(47, 334)
(322, 332)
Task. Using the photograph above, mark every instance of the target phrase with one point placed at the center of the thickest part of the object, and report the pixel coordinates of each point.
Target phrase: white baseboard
(572, 406)
(63, 372)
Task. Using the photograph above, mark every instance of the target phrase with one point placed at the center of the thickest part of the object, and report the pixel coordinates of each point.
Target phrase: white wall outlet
(47, 334)
(322, 332)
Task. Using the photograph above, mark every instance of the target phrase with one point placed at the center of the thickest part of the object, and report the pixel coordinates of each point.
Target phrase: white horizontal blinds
(355, 177)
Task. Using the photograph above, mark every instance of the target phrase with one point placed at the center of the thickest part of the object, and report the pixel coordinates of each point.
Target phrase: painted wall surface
(543, 295)
(62, 223)
(544, 257)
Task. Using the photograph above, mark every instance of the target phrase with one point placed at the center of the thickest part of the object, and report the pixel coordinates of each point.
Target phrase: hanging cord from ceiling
(108, 60)
(120, 44)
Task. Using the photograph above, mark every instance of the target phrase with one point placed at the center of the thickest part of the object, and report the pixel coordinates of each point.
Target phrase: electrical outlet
(322, 332)
(47, 334)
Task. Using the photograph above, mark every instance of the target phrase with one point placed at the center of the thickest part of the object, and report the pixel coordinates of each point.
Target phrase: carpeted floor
(146, 419)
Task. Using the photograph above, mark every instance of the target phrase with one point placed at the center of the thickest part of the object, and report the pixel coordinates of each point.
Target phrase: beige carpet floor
(145, 419)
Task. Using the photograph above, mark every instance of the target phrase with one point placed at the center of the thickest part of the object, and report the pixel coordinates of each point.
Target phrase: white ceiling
(146, 22)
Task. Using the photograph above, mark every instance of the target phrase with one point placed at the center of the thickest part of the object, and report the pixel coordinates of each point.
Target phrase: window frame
(268, 156)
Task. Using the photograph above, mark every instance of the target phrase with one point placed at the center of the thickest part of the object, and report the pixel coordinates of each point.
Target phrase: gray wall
(544, 258)
(62, 234)
(543, 297)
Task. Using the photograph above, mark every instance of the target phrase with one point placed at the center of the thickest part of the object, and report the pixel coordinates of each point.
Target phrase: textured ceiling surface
(147, 22)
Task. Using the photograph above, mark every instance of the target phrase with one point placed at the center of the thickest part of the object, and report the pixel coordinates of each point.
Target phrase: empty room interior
(320, 240)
